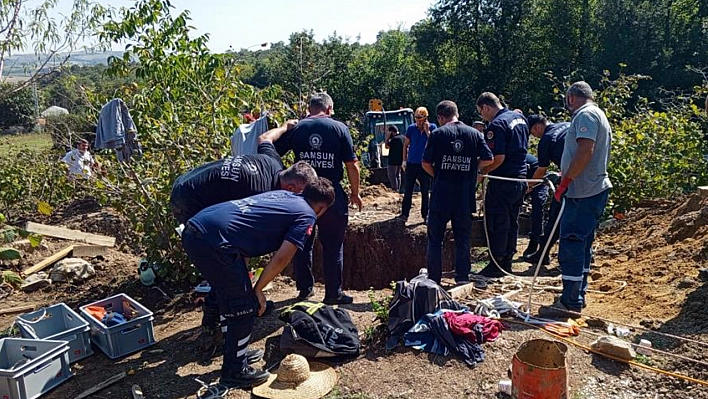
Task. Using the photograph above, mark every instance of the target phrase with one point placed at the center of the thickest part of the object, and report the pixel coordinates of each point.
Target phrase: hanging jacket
(244, 141)
(316, 330)
(116, 130)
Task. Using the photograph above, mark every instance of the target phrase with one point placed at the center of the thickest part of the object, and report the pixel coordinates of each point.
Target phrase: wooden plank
(17, 309)
(68, 234)
(101, 385)
(48, 261)
(88, 251)
(462, 292)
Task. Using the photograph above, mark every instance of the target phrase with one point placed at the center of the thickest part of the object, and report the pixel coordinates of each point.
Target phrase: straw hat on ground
(296, 379)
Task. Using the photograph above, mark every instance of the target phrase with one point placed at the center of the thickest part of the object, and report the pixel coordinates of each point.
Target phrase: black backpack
(413, 300)
(316, 330)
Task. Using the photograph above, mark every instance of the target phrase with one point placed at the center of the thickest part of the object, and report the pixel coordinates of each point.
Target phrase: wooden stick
(17, 309)
(68, 234)
(50, 260)
(101, 385)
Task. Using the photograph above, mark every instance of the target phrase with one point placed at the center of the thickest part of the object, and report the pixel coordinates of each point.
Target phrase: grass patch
(11, 144)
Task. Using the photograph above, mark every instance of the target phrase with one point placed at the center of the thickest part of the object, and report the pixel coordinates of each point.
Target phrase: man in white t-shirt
(80, 160)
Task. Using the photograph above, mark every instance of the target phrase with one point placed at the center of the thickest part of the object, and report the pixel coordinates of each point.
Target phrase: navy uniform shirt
(257, 225)
(508, 135)
(227, 179)
(550, 148)
(454, 150)
(325, 144)
(531, 165)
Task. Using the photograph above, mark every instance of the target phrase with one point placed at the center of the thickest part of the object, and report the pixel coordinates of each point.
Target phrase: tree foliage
(18, 109)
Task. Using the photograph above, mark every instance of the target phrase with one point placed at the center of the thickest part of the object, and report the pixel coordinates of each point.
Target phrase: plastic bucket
(538, 371)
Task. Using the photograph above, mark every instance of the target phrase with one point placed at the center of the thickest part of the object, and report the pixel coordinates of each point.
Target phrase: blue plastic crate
(125, 338)
(59, 323)
(29, 368)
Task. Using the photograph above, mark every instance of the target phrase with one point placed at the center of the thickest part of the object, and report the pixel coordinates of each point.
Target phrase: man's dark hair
(447, 109)
(319, 191)
(81, 141)
(320, 102)
(299, 173)
(392, 129)
(534, 119)
(488, 98)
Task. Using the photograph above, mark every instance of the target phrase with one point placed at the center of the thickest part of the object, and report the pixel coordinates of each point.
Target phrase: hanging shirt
(454, 151)
(79, 163)
(257, 225)
(227, 179)
(418, 140)
(550, 148)
(508, 135)
(244, 141)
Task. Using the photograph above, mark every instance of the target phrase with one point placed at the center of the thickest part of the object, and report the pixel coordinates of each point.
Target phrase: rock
(703, 274)
(71, 270)
(35, 277)
(687, 282)
(622, 258)
(36, 284)
(595, 276)
(615, 347)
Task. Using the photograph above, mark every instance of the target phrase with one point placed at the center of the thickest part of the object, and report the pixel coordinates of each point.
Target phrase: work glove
(562, 188)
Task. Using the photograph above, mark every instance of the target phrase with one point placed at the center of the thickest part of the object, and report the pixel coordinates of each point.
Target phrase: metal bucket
(538, 371)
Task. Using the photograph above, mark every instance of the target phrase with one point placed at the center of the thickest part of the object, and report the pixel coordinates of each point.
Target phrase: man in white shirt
(80, 160)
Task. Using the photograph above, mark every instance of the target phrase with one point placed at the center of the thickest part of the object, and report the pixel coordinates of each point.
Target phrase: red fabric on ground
(462, 323)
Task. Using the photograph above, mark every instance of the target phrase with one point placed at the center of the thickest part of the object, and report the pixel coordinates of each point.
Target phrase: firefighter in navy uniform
(451, 157)
(220, 237)
(327, 146)
(507, 135)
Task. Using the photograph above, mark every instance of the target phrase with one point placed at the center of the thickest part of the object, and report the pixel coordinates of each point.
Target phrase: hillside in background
(23, 64)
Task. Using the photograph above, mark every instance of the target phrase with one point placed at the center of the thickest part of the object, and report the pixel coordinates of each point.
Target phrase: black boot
(247, 378)
(533, 259)
(533, 247)
(492, 270)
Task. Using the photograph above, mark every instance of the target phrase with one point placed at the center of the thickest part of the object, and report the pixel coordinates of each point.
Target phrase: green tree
(18, 109)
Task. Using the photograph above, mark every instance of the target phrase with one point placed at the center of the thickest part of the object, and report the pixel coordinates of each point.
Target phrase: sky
(241, 24)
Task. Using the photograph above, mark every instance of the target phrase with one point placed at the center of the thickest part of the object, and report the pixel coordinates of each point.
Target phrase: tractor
(376, 123)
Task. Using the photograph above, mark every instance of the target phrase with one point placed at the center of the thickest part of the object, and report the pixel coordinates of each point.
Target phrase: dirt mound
(87, 215)
(658, 250)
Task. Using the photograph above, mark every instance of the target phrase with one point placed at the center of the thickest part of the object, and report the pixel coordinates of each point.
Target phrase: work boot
(342, 299)
(305, 294)
(559, 311)
(533, 258)
(254, 355)
(493, 271)
(533, 247)
(247, 378)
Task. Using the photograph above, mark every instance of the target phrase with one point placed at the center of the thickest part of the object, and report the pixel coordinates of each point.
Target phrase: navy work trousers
(577, 233)
(331, 227)
(502, 204)
(414, 171)
(539, 197)
(462, 230)
(226, 270)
